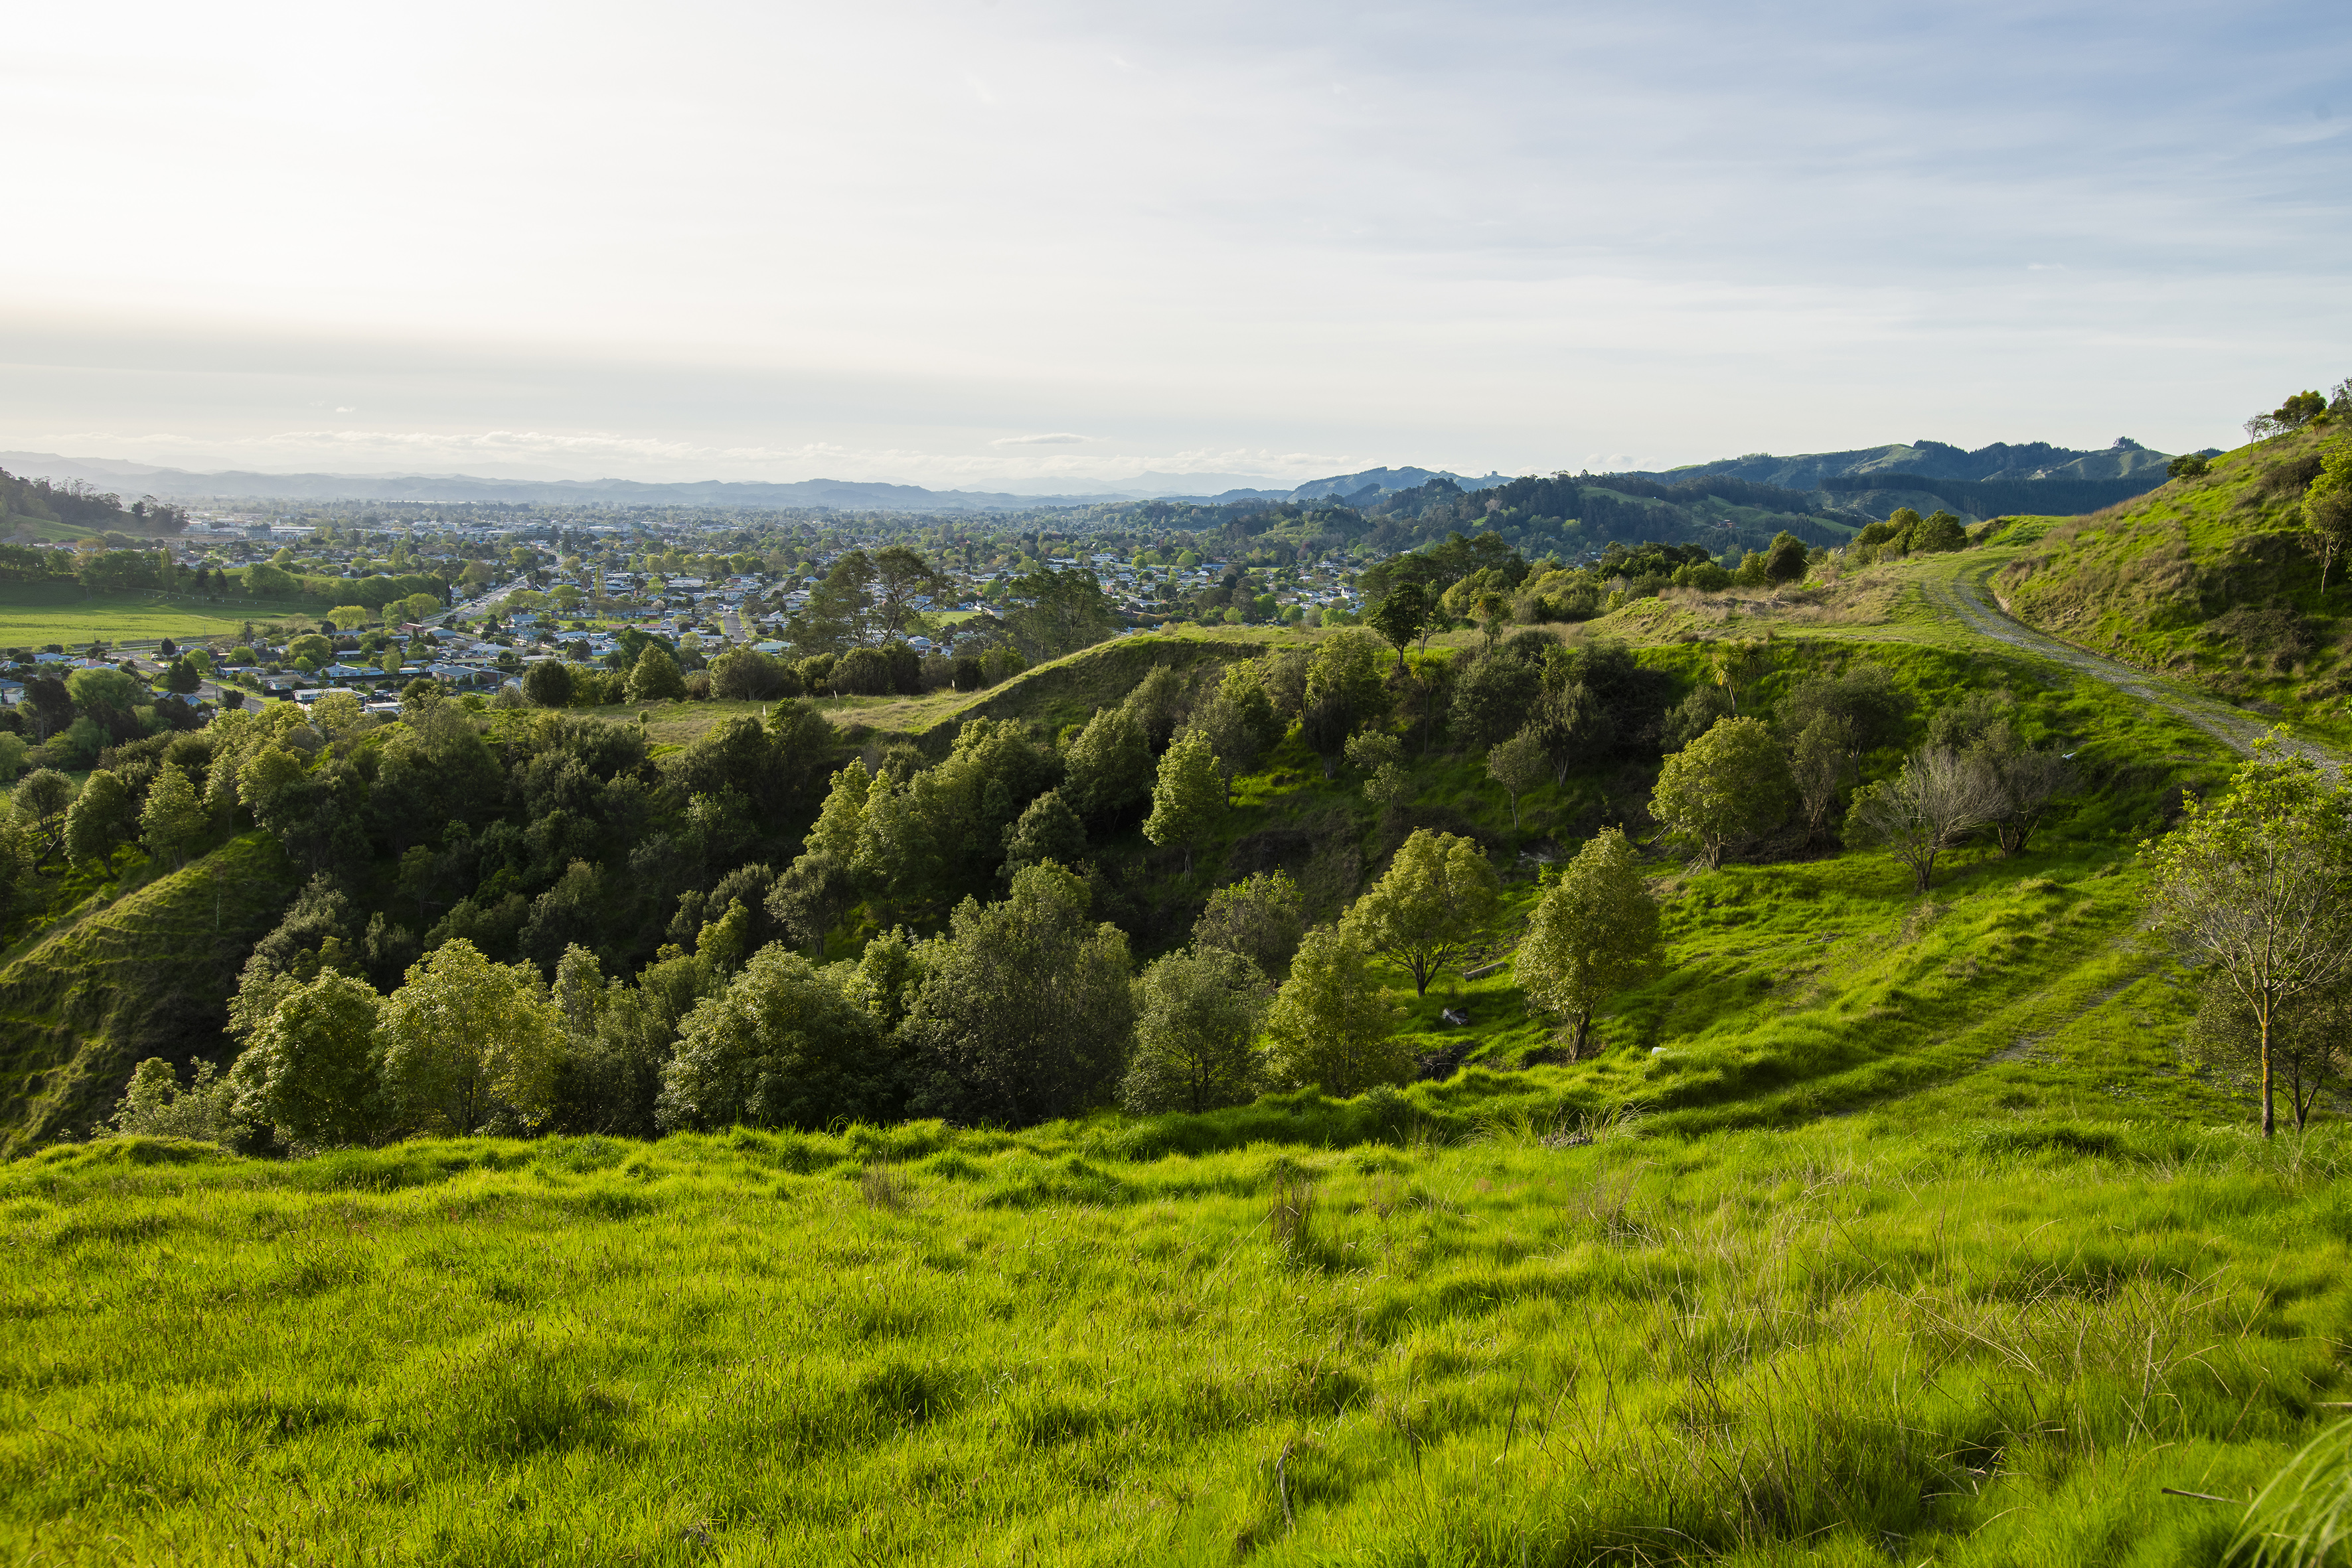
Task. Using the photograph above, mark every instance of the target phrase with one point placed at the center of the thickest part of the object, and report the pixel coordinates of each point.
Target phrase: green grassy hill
(1882, 1227)
(2206, 579)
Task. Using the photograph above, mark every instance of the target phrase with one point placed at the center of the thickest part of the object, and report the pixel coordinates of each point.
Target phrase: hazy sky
(959, 244)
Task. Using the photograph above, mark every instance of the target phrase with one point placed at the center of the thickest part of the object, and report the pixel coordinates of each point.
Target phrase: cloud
(1060, 439)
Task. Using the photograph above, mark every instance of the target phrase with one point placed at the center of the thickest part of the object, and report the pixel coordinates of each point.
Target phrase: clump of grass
(2304, 1514)
(1290, 1216)
(880, 1187)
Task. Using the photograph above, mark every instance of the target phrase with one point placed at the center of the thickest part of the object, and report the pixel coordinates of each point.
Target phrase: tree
(1052, 613)
(43, 797)
(1025, 1011)
(1199, 1012)
(548, 683)
(1047, 830)
(1493, 697)
(1784, 558)
(1731, 782)
(2293, 414)
(1572, 725)
(467, 1043)
(154, 1105)
(2024, 782)
(182, 677)
(100, 819)
(1819, 763)
(745, 673)
(2251, 887)
(173, 818)
(900, 577)
(2327, 509)
(1381, 755)
(1240, 721)
(2306, 1044)
(1939, 798)
(1738, 663)
(1399, 618)
(1594, 933)
(1189, 796)
(656, 677)
(1342, 694)
(780, 1047)
(1518, 764)
(1261, 917)
(1329, 1026)
(1158, 703)
(1437, 901)
(1109, 766)
(812, 896)
(314, 1057)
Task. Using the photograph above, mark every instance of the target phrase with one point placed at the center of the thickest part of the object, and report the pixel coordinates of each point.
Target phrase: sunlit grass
(1491, 1345)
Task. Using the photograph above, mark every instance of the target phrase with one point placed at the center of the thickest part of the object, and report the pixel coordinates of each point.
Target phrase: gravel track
(1964, 595)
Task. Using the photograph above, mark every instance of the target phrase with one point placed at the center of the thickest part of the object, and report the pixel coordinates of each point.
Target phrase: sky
(996, 243)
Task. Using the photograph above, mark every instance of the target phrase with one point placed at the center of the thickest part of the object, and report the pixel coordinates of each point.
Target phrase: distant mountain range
(2032, 460)
(2124, 468)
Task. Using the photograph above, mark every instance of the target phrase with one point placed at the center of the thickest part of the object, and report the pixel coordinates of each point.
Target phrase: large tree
(780, 1047)
(1594, 933)
(1399, 618)
(1109, 765)
(1240, 721)
(311, 1064)
(468, 1042)
(1196, 1030)
(173, 818)
(1731, 782)
(1188, 798)
(1261, 917)
(1330, 1027)
(1024, 1010)
(2251, 887)
(1439, 899)
(900, 577)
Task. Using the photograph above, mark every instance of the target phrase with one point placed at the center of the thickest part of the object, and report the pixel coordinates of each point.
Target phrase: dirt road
(1965, 596)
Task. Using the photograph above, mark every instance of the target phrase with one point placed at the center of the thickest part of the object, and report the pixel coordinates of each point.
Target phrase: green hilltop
(1881, 1222)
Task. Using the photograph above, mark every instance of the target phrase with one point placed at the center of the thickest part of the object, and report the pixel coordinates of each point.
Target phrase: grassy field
(1882, 1228)
(35, 614)
(1946, 1333)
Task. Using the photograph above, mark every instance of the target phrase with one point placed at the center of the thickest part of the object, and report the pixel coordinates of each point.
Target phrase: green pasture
(33, 613)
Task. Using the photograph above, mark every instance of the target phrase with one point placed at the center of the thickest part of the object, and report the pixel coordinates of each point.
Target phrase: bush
(780, 1047)
(154, 1105)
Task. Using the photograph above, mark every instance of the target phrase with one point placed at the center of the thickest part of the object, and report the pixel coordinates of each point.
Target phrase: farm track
(1964, 595)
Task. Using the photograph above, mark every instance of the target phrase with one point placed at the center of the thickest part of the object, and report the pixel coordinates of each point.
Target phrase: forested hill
(82, 505)
(2126, 459)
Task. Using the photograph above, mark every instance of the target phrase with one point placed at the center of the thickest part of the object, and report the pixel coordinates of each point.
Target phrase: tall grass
(1955, 1344)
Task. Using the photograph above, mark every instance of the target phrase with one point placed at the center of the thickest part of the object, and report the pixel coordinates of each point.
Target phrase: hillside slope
(118, 978)
(2210, 580)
